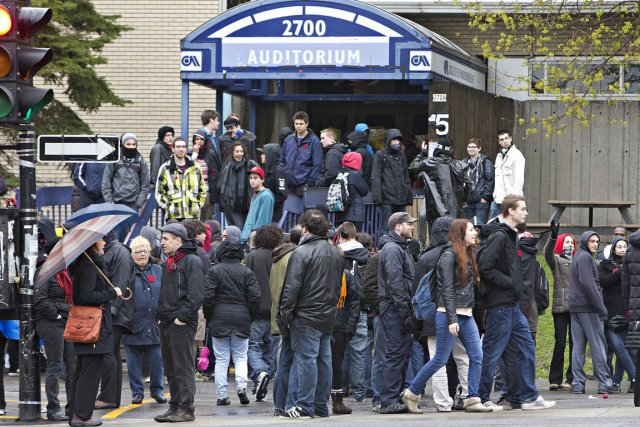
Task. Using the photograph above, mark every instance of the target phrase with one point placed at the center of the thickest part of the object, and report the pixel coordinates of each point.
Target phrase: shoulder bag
(83, 324)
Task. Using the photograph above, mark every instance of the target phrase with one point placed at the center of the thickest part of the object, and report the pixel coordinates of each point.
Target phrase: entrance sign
(319, 39)
(78, 148)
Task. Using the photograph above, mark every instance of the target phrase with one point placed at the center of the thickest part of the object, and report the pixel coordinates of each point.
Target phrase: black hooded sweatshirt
(357, 141)
(274, 178)
(390, 184)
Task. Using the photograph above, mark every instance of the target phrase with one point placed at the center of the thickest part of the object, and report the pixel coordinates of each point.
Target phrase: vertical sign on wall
(439, 120)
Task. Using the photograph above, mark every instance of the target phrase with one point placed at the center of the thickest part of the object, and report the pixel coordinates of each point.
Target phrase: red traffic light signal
(6, 21)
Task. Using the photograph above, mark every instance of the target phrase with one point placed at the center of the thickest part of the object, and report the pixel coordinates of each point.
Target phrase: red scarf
(65, 283)
(172, 260)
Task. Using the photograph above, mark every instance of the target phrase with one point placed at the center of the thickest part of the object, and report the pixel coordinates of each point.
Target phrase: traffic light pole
(29, 395)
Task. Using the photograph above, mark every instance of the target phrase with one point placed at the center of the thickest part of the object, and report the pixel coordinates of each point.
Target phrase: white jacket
(509, 174)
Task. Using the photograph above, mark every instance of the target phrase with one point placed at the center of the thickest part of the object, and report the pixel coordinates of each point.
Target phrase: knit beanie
(127, 136)
(443, 147)
(163, 131)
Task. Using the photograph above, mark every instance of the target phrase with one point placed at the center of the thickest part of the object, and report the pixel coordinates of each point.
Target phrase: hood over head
(352, 160)
(47, 228)
(214, 226)
(231, 248)
(440, 231)
(272, 153)
(560, 243)
(233, 232)
(634, 239)
(585, 237)
(528, 245)
(283, 133)
(614, 242)
(356, 139)
(163, 131)
(393, 134)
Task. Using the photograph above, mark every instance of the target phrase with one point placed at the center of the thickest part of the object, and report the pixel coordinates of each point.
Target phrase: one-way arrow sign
(78, 148)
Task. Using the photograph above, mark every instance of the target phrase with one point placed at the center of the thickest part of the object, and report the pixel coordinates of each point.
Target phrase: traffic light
(19, 62)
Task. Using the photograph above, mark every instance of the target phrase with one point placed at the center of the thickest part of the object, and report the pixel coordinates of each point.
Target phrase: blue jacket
(147, 293)
(260, 213)
(88, 177)
(302, 160)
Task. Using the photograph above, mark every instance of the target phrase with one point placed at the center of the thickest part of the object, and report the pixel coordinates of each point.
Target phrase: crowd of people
(322, 312)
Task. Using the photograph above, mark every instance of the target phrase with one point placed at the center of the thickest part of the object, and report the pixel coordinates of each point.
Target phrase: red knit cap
(352, 160)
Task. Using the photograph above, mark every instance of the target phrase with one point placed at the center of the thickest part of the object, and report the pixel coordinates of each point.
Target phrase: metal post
(29, 395)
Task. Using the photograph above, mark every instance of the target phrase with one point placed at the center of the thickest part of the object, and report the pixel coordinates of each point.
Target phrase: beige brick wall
(144, 67)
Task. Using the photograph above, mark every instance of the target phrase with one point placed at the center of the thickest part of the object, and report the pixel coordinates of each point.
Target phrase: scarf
(64, 281)
(172, 260)
(343, 292)
(235, 184)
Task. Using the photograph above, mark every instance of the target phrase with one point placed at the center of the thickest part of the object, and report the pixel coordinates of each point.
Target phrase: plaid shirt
(181, 195)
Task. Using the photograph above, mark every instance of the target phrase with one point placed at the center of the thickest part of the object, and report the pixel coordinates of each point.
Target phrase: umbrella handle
(126, 298)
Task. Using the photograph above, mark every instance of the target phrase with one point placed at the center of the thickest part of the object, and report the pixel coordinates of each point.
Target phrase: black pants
(395, 359)
(338, 344)
(60, 355)
(111, 386)
(13, 350)
(85, 384)
(3, 344)
(636, 392)
(562, 328)
(176, 343)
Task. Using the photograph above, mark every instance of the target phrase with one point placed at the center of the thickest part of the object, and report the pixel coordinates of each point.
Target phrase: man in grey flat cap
(181, 293)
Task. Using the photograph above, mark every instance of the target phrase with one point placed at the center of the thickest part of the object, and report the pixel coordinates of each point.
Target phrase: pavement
(588, 409)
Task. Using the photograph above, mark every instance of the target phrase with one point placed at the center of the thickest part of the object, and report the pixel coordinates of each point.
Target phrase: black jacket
(357, 190)
(356, 257)
(160, 154)
(485, 180)
(311, 285)
(90, 289)
(446, 184)
(119, 268)
(357, 141)
(371, 297)
(451, 293)
(259, 261)
(182, 288)
(585, 295)
(213, 160)
(232, 294)
(500, 267)
(395, 275)
(438, 239)
(332, 164)
(610, 276)
(631, 288)
(530, 267)
(347, 317)
(390, 184)
(49, 301)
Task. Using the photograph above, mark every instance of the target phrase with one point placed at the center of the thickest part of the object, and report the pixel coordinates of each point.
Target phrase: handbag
(83, 324)
(618, 323)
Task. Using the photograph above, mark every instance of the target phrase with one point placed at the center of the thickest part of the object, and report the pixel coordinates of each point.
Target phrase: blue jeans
(353, 366)
(285, 384)
(134, 354)
(416, 361)
(477, 213)
(312, 355)
(396, 355)
(225, 348)
(495, 209)
(615, 341)
(503, 324)
(378, 355)
(368, 358)
(263, 349)
(470, 338)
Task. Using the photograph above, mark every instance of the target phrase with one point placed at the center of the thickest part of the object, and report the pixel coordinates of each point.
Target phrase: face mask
(129, 153)
(568, 252)
(395, 146)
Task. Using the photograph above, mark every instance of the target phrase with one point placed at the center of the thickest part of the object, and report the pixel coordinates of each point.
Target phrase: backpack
(338, 194)
(541, 290)
(424, 301)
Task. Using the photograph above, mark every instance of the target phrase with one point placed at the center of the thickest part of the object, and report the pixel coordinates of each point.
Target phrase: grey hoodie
(585, 295)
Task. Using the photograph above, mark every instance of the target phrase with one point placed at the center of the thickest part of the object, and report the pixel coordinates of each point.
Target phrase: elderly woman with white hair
(146, 341)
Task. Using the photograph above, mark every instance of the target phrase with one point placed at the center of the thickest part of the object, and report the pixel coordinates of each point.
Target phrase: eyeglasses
(593, 241)
(142, 252)
(181, 147)
(471, 146)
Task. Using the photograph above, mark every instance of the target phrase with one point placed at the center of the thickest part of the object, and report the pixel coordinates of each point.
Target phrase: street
(589, 409)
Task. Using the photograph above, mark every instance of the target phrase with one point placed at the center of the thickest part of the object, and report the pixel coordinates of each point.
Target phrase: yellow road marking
(121, 410)
(8, 417)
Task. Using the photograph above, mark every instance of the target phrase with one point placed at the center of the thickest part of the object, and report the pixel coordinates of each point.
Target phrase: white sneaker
(539, 403)
(492, 406)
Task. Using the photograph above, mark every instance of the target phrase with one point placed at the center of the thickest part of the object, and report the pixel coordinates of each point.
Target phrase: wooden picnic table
(622, 205)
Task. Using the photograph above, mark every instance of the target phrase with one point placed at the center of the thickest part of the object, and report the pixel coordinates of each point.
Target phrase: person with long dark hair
(235, 191)
(456, 278)
(90, 289)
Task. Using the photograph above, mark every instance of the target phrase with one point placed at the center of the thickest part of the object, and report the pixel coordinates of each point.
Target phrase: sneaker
(539, 403)
(58, 415)
(507, 405)
(2, 412)
(553, 387)
(147, 380)
(612, 389)
(181, 416)
(278, 412)
(565, 387)
(99, 404)
(376, 408)
(578, 389)
(632, 387)
(261, 387)
(163, 418)
(394, 408)
(297, 412)
(224, 401)
(242, 395)
(137, 400)
(77, 422)
(492, 406)
(473, 404)
(14, 373)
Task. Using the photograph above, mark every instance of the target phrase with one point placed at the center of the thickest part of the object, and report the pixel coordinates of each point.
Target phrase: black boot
(339, 407)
